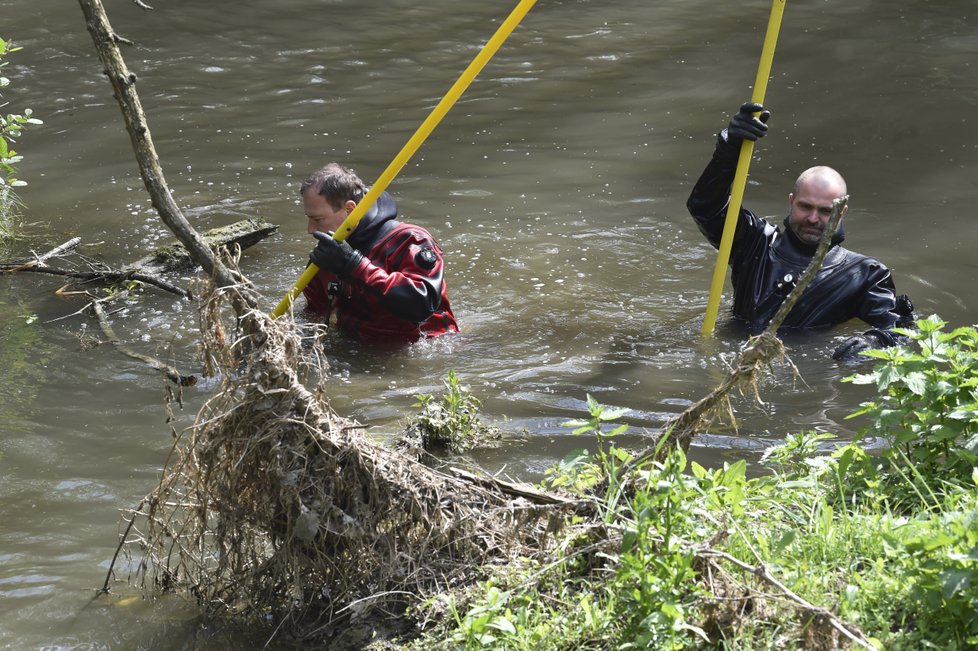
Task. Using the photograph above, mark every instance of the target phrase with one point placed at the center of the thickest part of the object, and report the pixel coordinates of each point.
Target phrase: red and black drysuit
(767, 261)
(396, 292)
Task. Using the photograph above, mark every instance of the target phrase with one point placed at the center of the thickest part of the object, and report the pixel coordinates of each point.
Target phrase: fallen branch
(148, 270)
(171, 373)
(851, 632)
(112, 276)
(39, 260)
(515, 490)
(123, 83)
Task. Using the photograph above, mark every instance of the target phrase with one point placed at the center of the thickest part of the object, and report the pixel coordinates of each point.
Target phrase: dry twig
(761, 571)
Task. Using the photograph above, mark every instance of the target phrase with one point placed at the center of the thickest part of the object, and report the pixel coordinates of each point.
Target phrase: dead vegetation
(272, 506)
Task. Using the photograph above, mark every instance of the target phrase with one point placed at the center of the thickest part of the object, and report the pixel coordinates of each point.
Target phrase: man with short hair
(766, 261)
(385, 283)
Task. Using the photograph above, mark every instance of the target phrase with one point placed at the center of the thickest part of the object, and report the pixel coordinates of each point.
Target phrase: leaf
(956, 581)
(916, 382)
(888, 375)
(628, 540)
(613, 413)
(504, 625)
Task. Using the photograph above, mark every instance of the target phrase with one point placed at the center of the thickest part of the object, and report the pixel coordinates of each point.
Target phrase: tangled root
(272, 506)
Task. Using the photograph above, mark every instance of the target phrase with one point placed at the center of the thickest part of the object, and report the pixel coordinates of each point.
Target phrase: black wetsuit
(766, 262)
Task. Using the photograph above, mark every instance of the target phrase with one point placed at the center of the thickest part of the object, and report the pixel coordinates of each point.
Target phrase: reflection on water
(557, 187)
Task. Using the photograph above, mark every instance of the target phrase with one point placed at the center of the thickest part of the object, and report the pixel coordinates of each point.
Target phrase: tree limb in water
(171, 373)
(757, 355)
(39, 260)
(123, 83)
(149, 270)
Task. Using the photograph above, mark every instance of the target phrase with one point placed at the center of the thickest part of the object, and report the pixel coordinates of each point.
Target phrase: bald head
(822, 179)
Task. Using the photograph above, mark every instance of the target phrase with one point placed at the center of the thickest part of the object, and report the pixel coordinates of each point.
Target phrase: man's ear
(349, 205)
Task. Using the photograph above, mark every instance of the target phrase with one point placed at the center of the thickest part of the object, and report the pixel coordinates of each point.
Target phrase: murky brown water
(557, 186)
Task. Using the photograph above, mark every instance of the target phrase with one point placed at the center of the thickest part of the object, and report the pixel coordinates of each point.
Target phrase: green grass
(830, 541)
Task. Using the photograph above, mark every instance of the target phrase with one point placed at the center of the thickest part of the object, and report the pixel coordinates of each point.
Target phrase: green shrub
(927, 408)
(11, 127)
(451, 422)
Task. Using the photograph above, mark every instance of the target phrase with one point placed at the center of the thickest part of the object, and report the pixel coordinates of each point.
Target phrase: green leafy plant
(11, 127)
(927, 407)
(655, 580)
(580, 470)
(452, 421)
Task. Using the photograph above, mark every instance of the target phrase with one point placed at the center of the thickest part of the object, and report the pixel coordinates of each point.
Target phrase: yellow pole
(412, 146)
(740, 176)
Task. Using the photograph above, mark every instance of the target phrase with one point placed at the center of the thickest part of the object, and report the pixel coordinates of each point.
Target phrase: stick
(765, 575)
(122, 541)
(39, 260)
(108, 276)
(171, 373)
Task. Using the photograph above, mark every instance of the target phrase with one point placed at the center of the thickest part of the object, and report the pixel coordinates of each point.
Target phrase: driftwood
(175, 257)
(148, 270)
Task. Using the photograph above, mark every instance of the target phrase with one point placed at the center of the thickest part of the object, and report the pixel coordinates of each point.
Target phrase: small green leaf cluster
(927, 407)
(11, 127)
(579, 470)
(451, 422)
(484, 624)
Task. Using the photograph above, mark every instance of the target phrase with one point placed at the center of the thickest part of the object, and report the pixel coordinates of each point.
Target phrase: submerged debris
(273, 507)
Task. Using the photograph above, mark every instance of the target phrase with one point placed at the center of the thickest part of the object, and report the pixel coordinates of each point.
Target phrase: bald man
(766, 261)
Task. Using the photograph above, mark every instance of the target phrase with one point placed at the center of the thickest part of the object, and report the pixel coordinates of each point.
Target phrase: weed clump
(451, 423)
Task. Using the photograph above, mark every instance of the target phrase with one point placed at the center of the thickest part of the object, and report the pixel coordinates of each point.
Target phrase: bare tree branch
(123, 83)
(171, 373)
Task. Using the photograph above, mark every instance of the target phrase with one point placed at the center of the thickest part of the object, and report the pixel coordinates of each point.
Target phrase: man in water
(766, 261)
(385, 283)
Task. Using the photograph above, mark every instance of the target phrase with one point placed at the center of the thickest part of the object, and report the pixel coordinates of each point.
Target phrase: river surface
(557, 186)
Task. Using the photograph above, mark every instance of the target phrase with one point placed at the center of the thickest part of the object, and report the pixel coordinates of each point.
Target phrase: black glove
(849, 349)
(333, 255)
(745, 125)
(904, 308)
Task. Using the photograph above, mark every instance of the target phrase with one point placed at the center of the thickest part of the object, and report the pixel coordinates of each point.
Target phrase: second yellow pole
(740, 176)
